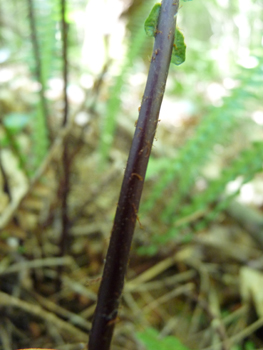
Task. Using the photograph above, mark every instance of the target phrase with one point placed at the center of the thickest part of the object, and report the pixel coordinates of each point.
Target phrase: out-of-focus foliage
(218, 91)
(151, 341)
(206, 148)
(134, 49)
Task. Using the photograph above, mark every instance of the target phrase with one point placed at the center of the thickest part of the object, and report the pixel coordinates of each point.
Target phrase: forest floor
(205, 291)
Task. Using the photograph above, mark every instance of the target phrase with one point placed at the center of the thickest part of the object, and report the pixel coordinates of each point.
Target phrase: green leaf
(150, 25)
(151, 341)
(178, 53)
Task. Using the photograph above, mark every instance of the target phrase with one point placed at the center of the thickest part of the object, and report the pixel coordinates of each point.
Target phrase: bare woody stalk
(126, 214)
(65, 181)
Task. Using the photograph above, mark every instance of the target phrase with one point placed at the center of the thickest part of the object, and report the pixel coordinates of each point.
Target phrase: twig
(37, 263)
(60, 311)
(215, 320)
(241, 335)
(150, 273)
(5, 338)
(66, 161)
(12, 208)
(65, 327)
(184, 289)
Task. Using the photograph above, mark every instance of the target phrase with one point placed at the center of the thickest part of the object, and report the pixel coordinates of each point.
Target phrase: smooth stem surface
(66, 159)
(126, 214)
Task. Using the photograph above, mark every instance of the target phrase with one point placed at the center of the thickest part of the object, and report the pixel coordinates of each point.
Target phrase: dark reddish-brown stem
(126, 215)
(66, 164)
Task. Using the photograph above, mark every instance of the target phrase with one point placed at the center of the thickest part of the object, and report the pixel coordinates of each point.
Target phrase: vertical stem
(126, 214)
(65, 182)
(38, 63)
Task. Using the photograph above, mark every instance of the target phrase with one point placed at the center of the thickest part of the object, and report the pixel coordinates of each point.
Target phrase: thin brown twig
(54, 150)
(37, 263)
(65, 327)
(72, 317)
(218, 324)
(241, 335)
(64, 186)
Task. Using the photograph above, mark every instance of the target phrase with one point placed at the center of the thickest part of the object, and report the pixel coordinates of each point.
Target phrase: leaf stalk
(127, 209)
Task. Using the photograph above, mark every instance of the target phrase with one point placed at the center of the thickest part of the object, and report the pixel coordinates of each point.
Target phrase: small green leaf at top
(150, 25)
(179, 48)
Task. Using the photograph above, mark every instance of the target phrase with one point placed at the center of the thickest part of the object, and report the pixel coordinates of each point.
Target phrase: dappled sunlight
(77, 135)
(104, 34)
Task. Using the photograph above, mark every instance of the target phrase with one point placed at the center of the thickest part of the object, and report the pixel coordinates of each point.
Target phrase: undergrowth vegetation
(186, 168)
(198, 167)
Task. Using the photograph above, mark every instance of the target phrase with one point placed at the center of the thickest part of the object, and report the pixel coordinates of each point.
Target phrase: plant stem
(126, 214)
(66, 163)
(38, 65)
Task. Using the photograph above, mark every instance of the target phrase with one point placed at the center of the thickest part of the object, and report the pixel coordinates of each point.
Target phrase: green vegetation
(151, 341)
(59, 184)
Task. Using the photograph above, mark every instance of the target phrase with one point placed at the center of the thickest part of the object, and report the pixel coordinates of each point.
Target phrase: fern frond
(43, 23)
(215, 128)
(246, 166)
(40, 138)
(190, 160)
(181, 171)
